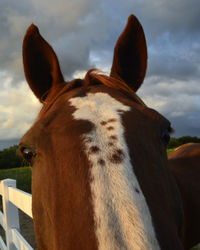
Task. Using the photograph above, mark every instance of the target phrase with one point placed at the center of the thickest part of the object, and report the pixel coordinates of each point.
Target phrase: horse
(100, 176)
(184, 164)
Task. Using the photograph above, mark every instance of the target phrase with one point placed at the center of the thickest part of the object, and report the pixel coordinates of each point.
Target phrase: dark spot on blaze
(110, 128)
(120, 110)
(112, 120)
(117, 157)
(101, 162)
(110, 144)
(94, 150)
(113, 137)
(120, 151)
(103, 123)
(136, 190)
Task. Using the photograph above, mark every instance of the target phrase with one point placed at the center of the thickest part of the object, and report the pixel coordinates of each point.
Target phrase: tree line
(10, 159)
(176, 142)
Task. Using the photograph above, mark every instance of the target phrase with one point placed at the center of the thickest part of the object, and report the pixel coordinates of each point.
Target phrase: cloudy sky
(83, 34)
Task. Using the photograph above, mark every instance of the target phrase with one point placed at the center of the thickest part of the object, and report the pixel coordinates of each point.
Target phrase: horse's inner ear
(41, 66)
(130, 55)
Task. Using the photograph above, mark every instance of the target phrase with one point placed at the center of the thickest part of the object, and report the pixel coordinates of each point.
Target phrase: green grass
(196, 248)
(170, 150)
(22, 175)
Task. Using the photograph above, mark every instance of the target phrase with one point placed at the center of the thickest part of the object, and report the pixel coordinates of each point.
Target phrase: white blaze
(122, 217)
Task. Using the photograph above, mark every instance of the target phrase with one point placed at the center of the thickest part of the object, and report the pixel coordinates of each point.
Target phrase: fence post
(10, 212)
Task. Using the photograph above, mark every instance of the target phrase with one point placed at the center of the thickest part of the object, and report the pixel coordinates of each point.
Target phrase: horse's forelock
(95, 76)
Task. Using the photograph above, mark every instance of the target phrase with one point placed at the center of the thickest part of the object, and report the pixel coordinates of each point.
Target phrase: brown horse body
(185, 165)
(100, 177)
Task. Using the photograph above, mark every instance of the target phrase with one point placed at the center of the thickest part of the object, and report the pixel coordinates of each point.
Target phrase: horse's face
(98, 154)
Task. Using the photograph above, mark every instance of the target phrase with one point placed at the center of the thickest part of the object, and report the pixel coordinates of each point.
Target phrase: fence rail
(12, 199)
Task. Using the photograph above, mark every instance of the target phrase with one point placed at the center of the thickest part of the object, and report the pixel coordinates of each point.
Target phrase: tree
(176, 142)
(10, 159)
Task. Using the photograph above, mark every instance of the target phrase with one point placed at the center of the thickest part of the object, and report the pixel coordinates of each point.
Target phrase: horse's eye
(28, 154)
(165, 136)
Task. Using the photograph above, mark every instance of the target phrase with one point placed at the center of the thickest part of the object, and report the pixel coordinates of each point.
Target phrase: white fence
(12, 199)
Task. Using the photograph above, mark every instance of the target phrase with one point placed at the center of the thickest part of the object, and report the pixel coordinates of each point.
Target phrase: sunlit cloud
(18, 109)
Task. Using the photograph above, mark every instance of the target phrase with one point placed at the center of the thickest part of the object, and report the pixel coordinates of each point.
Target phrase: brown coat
(184, 163)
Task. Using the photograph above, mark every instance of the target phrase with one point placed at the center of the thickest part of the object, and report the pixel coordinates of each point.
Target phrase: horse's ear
(130, 55)
(41, 65)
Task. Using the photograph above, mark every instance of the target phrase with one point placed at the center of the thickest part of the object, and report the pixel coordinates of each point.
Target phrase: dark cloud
(178, 101)
(75, 28)
(185, 125)
(162, 15)
(175, 56)
(13, 18)
(8, 143)
(59, 22)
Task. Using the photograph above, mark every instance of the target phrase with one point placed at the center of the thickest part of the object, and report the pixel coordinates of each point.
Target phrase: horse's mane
(95, 76)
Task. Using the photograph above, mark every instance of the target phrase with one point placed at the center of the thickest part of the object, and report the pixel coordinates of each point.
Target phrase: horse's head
(98, 154)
